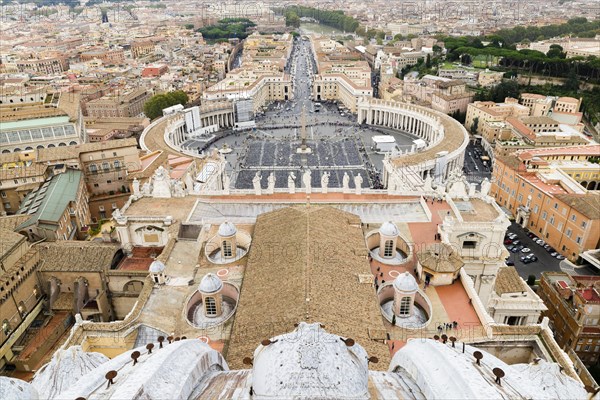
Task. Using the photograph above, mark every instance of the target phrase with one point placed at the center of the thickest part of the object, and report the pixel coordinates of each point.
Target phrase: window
(405, 306)
(520, 198)
(536, 209)
(114, 206)
(578, 240)
(583, 224)
(6, 206)
(560, 226)
(3, 195)
(573, 217)
(544, 215)
(552, 220)
(117, 165)
(388, 249)
(469, 244)
(100, 208)
(106, 166)
(556, 206)
(210, 305)
(227, 249)
(568, 232)
(93, 168)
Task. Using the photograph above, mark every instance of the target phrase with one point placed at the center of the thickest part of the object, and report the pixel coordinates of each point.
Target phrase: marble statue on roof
(346, 183)
(256, 183)
(324, 182)
(306, 180)
(358, 180)
(271, 183)
(161, 185)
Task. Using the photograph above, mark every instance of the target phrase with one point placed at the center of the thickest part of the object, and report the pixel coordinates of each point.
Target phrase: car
(528, 258)
(560, 257)
(512, 235)
(510, 247)
(515, 249)
(540, 242)
(507, 241)
(509, 263)
(546, 246)
(552, 250)
(525, 250)
(516, 242)
(554, 254)
(532, 235)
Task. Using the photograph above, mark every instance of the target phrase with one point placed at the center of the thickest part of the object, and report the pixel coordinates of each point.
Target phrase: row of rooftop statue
(161, 185)
(306, 182)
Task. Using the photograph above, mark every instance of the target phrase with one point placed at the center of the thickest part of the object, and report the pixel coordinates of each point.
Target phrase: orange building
(547, 201)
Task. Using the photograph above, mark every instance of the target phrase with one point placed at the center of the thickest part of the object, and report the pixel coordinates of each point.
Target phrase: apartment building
(573, 303)
(107, 56)
(118, 104)
(341, 74)
(441, 94)
(48, 66)
(536, 187)
(105, 166)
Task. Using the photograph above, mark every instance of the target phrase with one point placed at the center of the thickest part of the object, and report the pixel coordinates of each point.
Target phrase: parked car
(560, 257)
(509, 262)
(512, 236)
(546, 246)
(551, 250)
(510, 247)
(531, 235)
(525, 250)
(554, 254)
(507, 241)
(514, 249)
(540, 242)
(516, 242)
(528, 259)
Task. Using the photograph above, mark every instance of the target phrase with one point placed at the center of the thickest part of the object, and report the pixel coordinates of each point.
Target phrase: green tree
(572, 82)
(474, 125)
(428, 61)
(154, 106)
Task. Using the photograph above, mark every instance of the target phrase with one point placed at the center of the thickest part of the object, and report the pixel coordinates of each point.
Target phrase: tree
(436, 49)
(154, 106)
(556, 51)
(428, 61)
(531, 280)
(475, 125)
(572, 83)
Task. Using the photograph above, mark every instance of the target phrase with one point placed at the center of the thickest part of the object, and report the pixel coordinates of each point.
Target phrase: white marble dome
(310, 363)
(406, 283)
(210, 284)
(156, 267)
(16, 389)
(389, 229)
(227, 229)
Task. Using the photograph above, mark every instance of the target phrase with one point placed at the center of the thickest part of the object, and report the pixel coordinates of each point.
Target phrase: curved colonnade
(446, 141)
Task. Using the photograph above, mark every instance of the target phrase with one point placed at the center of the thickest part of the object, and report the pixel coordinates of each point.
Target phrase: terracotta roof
(74, 256)
(8, 240)
(587, 204)
(303, 265)
(508, 281)
(440, 257)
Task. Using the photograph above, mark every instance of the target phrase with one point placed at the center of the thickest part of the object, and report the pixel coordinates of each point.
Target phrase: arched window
(388, 249)
(405, 306)
(117, 165)
(106, 166)
(227, 251)
(210, 305)
(93, 168)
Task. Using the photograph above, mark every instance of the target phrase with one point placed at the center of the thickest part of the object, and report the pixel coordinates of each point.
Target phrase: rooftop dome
(389, 229)
(227, 229)
(156, 267)
(210, 283)
(310, 363)
(16, 389)
(406, 283)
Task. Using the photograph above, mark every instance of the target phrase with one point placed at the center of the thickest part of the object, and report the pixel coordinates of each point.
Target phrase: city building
(573, 304)
(58, 210)
(119, 105)
(542, 190)
(58, 121)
